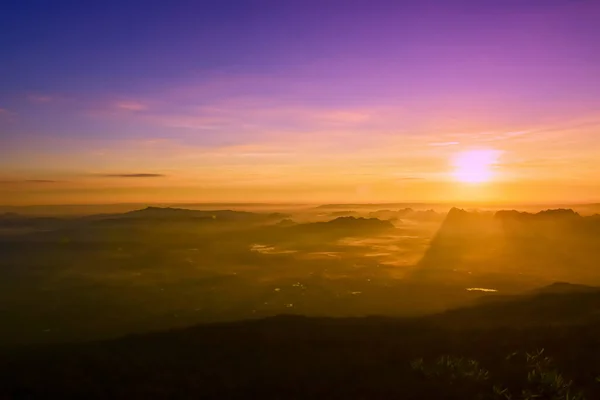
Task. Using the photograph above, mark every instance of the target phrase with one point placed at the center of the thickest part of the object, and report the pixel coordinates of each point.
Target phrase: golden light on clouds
(475, 166)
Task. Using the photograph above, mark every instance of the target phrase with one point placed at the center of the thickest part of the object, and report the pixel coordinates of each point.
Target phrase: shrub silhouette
(536, 378)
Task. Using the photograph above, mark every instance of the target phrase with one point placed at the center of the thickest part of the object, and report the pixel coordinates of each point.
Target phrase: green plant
(452, 368)
(540, 379)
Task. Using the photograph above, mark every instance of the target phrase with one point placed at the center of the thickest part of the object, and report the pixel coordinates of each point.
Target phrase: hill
(181, 213)
(343, 226)
(554, 305)
(299, 357)
(549, 246)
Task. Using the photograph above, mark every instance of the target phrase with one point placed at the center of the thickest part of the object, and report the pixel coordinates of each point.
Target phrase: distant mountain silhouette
(286, 222)
(353, 221)
(385, 214)
(556, 215)
(9, 215)
(14, 220)
(461, 234)
(343, 213)
(350, 223)
(340, 227)
(551, 245)
(406, 213)
(168, 212)
(371, 206)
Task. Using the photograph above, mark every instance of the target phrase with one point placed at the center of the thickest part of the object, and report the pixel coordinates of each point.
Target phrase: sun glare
(475, 166)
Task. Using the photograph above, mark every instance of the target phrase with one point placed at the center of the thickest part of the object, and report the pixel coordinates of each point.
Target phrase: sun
(475, 166)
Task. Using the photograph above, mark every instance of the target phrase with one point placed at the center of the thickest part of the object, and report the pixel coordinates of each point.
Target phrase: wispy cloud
(442, 144)
(258, 115)
(21, 181)
(139, 175)
(546, 164)
(7, 116)
(501, 136)
(39, 98)
(131, 105)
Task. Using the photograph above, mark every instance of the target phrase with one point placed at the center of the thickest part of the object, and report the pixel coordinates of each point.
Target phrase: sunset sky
(299, 101)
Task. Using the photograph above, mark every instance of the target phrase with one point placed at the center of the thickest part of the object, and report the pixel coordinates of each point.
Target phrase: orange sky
(358, 102)
(536, 164)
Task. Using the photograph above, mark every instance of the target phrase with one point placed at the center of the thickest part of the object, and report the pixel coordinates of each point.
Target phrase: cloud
(536, 163)
(39, 98)
(134, 106)
(498, 136)
(7, 116)
(19, 181)
(133, 175)
(515, 134)
(441, 144)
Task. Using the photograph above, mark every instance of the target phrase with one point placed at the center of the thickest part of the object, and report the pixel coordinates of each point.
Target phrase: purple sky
(203, 91)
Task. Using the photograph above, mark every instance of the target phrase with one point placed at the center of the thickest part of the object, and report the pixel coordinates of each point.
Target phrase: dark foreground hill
(299, 357)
